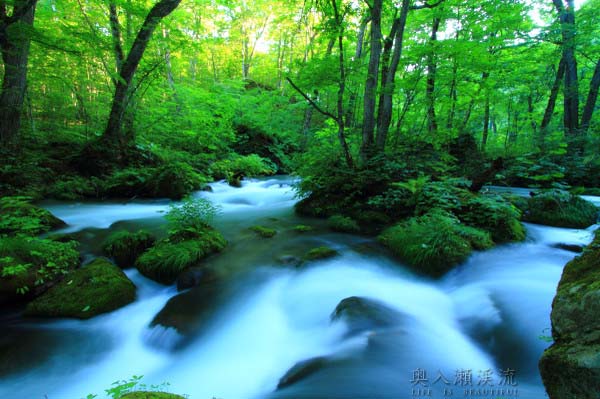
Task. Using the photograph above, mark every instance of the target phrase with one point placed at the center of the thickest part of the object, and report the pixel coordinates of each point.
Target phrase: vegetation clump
(125, 247)
(435, 242)
(264, 232)
(319, 253)
(96, 288)
(495, 215)
(302, 228)
(561, 209)
(19, 216)
(29, 266)
(343, 224)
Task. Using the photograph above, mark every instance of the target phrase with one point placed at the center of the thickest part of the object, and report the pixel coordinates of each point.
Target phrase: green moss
(434, 242)
(125, 247)
(301, 228)
(561, 209)
(320, 253)
(19, 216)
(495, 215)
(343, 224)
(150, 395)
(175, 180)
(29, 266)
(97, 288)
(184, 249)
(263, 231)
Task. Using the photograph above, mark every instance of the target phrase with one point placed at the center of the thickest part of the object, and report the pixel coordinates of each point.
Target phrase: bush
(29, 266)
(343, 224)
(129, 183)
(74, 188)
(238, 165)
(125, 247)
(560, 209)
(175, 180)
(97, 288)
(495, 215)
(434, 242)
(439, 195)
(19, 216)
(181, 250)
(192, 213)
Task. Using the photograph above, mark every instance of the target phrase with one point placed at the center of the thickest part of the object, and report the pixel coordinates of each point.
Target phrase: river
(488, 317)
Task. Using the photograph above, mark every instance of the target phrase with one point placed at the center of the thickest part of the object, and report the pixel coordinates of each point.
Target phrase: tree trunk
(114, 134)
(370, 96)
(431, 72)
(486, 122)
(357, 56)
(590, 104)
(14, 44)
(553, 95)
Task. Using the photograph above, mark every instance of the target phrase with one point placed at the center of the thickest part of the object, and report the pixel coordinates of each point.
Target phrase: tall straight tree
(114, 134)
(14, 43)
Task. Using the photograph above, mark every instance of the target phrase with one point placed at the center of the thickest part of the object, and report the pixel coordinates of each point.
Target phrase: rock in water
(570, 368)
(364, 314)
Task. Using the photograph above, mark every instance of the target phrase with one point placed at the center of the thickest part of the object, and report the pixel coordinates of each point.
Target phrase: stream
(488, 316)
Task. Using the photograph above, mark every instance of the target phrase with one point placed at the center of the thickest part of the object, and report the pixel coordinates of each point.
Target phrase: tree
(114, 133)
(15, 40)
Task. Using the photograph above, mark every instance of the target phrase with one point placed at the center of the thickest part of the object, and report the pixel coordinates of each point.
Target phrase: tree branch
(311, 102)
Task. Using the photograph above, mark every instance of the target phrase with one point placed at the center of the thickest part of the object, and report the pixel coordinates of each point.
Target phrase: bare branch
(311, 102)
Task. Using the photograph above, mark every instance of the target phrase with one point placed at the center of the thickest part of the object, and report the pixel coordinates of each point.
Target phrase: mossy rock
(320, 253)
(560, 209)
(301, 228)
(170, 257)
(29, 266)
(495, 215)
(343, 224)
(125, 247)
(175, 180)
(435, 242)
(19, 216)
(150, 395)
(263, 231)
(97, 288)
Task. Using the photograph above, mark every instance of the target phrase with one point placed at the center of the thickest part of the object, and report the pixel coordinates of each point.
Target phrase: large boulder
(170, 257)
(125, 247)
(560, 209)
(97, 288)
(29, 266)
(19, 216)
(570, 368)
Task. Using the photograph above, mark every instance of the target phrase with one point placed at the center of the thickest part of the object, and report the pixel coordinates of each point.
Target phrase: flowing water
(488, 317)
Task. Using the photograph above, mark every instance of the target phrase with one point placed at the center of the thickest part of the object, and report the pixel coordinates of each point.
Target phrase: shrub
(125, 247)
(175, 180)
(561, 209)
(343, 224)
(130, 182)
(31, 265)
(75, 188)
(239, 165)
(434, 242)
(192, 213)
(439, 195)
(183, 249)
(19, 216)
(97, 288)
(495, 215)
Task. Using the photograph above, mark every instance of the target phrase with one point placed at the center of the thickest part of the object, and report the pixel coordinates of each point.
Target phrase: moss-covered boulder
(264, 232)
(29, 266)
(495, 215)
(125, 247)
(319, 253)
(435, 242)
(343, 224)
(560, 209)
(175, 180)
(170, 257)
(19, 216)
(97, 288)
(570, 368)
(150, 395)
(302, 228)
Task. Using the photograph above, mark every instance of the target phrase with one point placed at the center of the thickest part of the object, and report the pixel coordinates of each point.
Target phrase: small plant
(192, 213)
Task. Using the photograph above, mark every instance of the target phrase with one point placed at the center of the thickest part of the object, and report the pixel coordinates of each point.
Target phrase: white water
(486, 314)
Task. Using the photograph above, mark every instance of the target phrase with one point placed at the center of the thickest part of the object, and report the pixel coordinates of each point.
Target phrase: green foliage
(181, 250)
(301, 228)
(320, 253)
(561, 209)
(263, 231)
(434, 242)
(125, 247)
(19, 216)
(31, 265)
(192, 213)
(135, 389)
(75, 188)
(495, 215)
(533, 170)
(238, 165)
(439, 195)
(96, 288)
(343, 224)
(175, 180)
(130, 182)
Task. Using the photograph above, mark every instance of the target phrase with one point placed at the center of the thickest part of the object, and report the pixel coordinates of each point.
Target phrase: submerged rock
(570, 247)
(97, 288)
(301, 370)
(364, 314)
(343, 224)
(570, 368)
(194, 277)
(319, 253)
(125, 247)
(289, 260)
